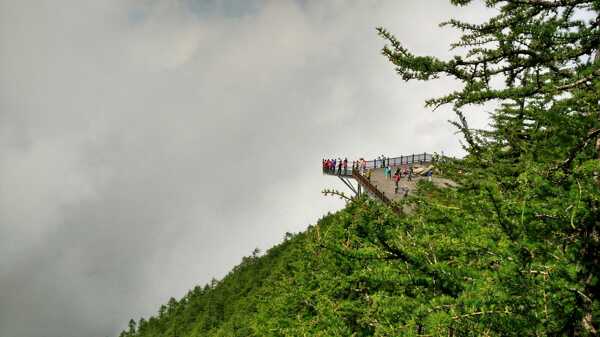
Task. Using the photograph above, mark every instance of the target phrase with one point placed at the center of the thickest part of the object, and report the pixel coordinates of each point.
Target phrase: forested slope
(366, 271)
(306, 285)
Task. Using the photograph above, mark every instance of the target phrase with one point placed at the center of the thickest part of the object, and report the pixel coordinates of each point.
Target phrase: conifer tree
(533, 176)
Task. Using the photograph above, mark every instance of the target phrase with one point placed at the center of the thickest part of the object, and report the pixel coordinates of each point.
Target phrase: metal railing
(415, 158)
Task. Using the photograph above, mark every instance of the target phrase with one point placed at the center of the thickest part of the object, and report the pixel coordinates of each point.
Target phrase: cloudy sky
(147, 145)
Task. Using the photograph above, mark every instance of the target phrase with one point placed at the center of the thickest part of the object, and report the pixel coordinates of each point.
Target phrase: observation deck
(369, 176)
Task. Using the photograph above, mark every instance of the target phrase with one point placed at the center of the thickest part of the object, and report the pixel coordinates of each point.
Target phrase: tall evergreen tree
(535, 172)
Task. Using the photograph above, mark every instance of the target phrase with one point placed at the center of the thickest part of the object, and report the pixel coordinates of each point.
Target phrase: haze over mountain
(147, 146)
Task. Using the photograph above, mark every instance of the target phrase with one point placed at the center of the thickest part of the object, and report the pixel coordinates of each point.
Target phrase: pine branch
(352, 256)
(501, 220)
(578, 148)
(464, 128)
(482, 312)
(331, 192)
(579, 82)
(549, 3)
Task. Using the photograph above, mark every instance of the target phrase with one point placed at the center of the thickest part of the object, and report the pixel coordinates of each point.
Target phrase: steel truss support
(347, 182)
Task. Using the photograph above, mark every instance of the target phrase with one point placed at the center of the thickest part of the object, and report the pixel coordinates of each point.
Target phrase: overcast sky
(146, 146)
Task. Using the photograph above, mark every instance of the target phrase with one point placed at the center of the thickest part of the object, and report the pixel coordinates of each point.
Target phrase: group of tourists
(336, 166)
(340, 167)
(407, 171)
(361, 166)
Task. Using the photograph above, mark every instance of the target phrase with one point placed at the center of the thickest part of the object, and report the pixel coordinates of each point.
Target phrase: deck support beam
(347, 182)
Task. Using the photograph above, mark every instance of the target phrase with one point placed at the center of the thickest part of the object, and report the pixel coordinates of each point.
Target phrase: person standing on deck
(396, 180)
(345, 166)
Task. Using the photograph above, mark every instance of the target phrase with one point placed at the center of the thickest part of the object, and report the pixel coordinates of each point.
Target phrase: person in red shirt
(396, 180)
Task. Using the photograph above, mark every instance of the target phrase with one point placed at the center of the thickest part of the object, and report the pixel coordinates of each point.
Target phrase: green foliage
(512, 250)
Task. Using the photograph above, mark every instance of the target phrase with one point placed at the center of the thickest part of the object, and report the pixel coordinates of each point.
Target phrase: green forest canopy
(511, 251)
